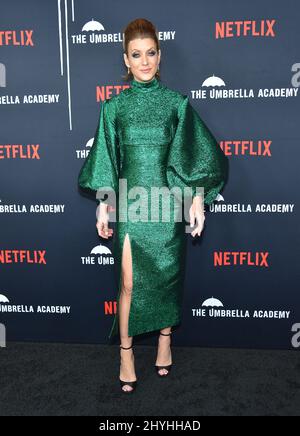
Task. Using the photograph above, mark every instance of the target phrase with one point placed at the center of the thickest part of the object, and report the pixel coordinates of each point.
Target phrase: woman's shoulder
(112, 101)
(177, 96)
(110, 105)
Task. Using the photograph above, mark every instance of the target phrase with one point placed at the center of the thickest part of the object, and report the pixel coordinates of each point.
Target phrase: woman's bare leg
(127, 370)
(164, 355)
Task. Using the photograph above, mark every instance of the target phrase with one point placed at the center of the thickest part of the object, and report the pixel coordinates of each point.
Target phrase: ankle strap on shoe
(124, 348)
(166, 334)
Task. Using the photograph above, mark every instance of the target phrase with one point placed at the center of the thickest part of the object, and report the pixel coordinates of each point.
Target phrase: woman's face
(143, 58)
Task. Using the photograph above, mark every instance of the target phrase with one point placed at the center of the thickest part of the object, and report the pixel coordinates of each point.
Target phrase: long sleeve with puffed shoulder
(195, 157)
(100, 170)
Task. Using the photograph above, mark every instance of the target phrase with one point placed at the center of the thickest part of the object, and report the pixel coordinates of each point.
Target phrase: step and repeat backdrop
(239, 64)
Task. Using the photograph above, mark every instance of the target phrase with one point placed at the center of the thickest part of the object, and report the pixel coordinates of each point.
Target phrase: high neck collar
(145, 86)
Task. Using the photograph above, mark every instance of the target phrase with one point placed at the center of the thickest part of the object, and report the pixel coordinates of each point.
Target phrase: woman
(149, 136)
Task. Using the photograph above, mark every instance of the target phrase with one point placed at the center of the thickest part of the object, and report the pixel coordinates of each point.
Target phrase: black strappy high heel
(132, 384)
(167, 367)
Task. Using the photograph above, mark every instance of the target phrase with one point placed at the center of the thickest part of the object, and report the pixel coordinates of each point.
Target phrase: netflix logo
(105, 92)
(23, 256)
(247, 147)
(16, 37)
(247, 258)
(16, 151)
(238, 29)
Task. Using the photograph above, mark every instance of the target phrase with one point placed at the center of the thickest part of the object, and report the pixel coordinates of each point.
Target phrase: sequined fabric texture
(151, 136)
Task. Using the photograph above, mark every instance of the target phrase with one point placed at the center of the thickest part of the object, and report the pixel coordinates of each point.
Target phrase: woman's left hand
(197, 212)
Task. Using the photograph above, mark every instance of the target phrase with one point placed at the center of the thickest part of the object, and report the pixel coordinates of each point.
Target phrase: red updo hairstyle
(139, 28)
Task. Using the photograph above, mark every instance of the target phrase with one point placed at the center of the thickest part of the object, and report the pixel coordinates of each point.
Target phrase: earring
(128, 70)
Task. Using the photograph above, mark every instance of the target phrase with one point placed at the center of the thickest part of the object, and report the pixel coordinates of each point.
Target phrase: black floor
(63, 379)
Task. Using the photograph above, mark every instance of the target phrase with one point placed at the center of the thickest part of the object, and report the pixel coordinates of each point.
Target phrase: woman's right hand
(102, 222)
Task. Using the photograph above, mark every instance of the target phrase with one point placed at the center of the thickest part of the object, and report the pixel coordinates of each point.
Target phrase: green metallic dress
(151, 136)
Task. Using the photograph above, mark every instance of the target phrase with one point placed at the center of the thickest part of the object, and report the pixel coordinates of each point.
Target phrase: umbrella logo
(213, 81)
(3, 299)
(220, 197)
(100, 249)
(92, 26)
(90, 142)
(212, 302)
